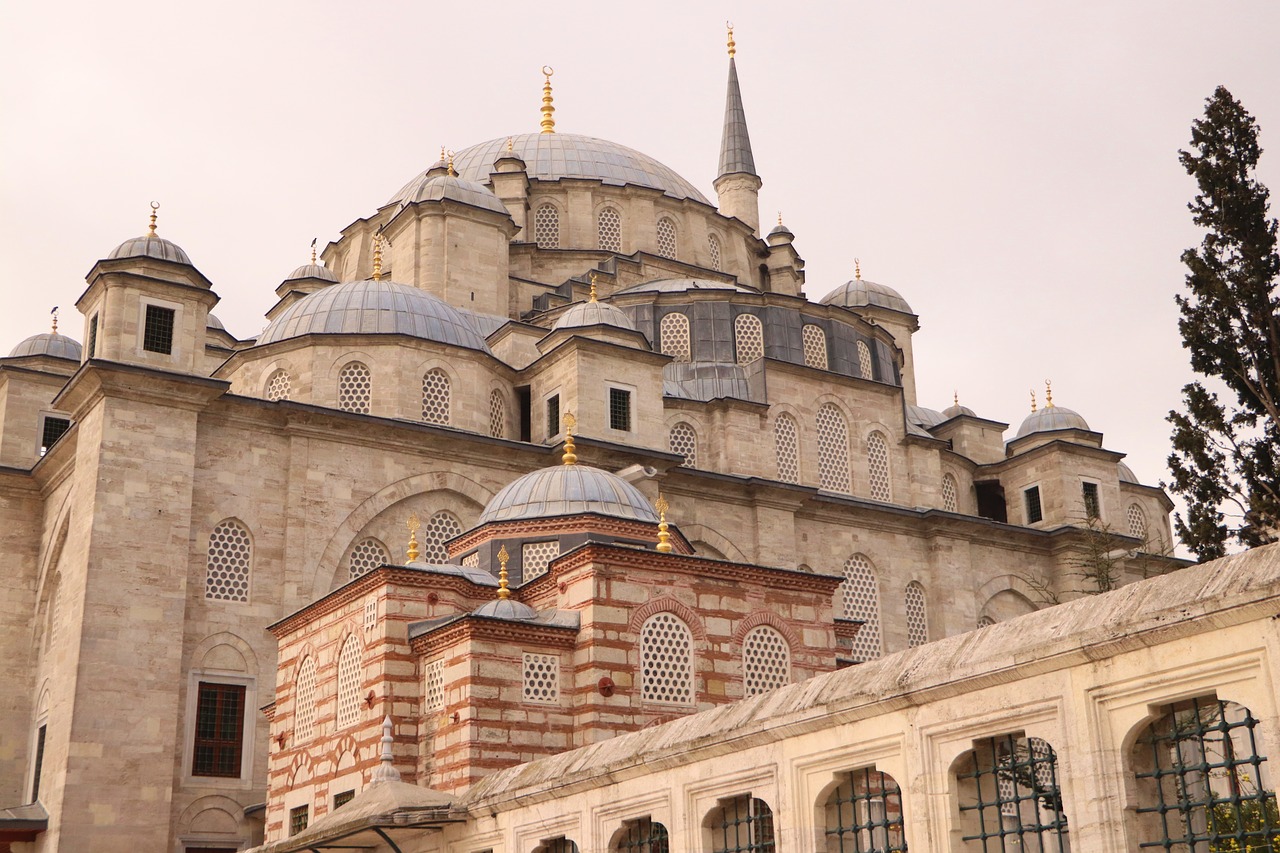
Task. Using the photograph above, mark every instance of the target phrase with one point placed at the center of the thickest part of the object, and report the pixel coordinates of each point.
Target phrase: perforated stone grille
(609, 230)
(860, 599)
(278, 386)
(1137, 522)
(713, 249)
(748, 336)
(986, 621)
(917, 618)
(349, 683)
(536, 556)
(497, 414)
(230, 558)
(439, 529)
(541, 678)
(472, 560)
(815, 346)
(786, 440)
(833, 449)
(367, 555)
(666, 238)
(546, 227)
(878, 466)
(685, 442)
(370, 614)
(435, 396)
(766, 660)
(355, 388)
(433, 686)
(666, 660)
(950, 499)
(304, 701)
(864, 361)
(674, 336)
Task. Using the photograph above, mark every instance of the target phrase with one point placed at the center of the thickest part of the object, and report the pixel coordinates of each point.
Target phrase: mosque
(549, 452)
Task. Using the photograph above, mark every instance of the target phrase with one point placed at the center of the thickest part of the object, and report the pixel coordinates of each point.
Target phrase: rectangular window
(1032, 498)
(219, 730)
(340, 800)
(92, 349)
(1092, 508)
(619, 409)
(35, 777)
(298, 819)
(51, 430)
(553, 415)
(157, 335)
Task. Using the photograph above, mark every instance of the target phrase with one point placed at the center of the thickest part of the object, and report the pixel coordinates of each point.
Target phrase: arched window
(497, 414)
(278, 385)
(859, 600)
(673, 334)
(55, 612)
(950, 494)
(368, 555)
(986, 622)
(667, 237)
(435, 396)
(864, 812)
(713, 250)
(786, 441)
(917, 616)
(741, 825)
(864, 361)
(438, 530)
(304, 701)
(546, 226)
(609, 230)
(230, 562)
(666, 660)
(355, 388)
(748, 336)
(1010, 798)
(349, 678)
(556, 845)
(766, 661)
(815, 346)
(1137, 522)
(878, 467)
(684, 440)
(641, 836)
(833, 449)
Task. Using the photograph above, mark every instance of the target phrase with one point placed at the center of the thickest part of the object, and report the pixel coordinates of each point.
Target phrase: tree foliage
(1227, 437)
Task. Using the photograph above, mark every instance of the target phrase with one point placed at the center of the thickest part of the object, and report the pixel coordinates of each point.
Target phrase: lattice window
(350, 675)
(497, 414)
(864, 813)
(786, 443)
(815, 346)
(667, 237)
(438, 530)
(713, 250)
(1010, 797)
(298, 819)
(535, 557)
(278, 385)
(950, 494)
(673, 336)
(541, 678)
(742, 825)
(666, 660)
(609, 230)
(55, 612)
(641, 836)
(230, 561)
(986, 622)
(766, 661)
(917, 616)
(355, 388)
(864, 361)
(833, 449)
(684, 440)
(748, 336)
(433, 686)
(860, 600)
(472, 560)
(370, 614)
(546, 227)
(341, 799)
(878, 466)
(1137, 522)
(435, 396)
(304, 701)
(367, 556)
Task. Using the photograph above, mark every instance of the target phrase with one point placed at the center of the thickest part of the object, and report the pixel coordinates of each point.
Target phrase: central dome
(568, 490)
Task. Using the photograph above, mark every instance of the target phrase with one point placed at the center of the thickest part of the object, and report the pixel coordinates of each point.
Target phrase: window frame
(553, 429)
(91, 348)
(175, 349)
(42, 419)
(247, 732)
(219, 742)
(1026, 504)
(1085, 486)
(610, 389)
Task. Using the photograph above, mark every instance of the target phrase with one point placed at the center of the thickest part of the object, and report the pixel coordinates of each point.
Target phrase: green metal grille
(743, 825)
(340, 800)
(298, 819)
(864, 814)
(642, 836)
(1206, 786)
(1013, 798)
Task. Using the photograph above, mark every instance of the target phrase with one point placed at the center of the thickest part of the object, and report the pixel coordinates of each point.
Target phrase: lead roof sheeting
(735, 143)
(150, 247)
(50, 344)
(568, 490)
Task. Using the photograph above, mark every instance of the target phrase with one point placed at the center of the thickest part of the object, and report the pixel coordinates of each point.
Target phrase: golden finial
(377, 256)
(733, 48)
(955, 398)
(313, 249)
(511, 145)
(570, 458)
(779, 217)
(1033, 401)
(503, 557)
(452, 172)
(151, 229)
(442, 154)
(548, 123)
(664, 536)
(593, 286)
(54, 312)
(413, 524)
(857, 268)
(1048, 394)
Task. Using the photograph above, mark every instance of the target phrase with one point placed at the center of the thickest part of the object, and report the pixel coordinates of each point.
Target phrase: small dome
(50, 344)
(214, 323)
(956, 411)
(859, 293)
(150, 246)
(679, 285)
(448, 188)
(1126, 473)
(924, 416)
(1049, 419)
(594, 314)
(374, 307)
(568, 490)
(505, 608)
(312, 271)
(780, 234)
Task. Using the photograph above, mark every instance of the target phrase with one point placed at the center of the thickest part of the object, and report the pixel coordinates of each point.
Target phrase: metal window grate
(304, 701)
(349, 676)
(642, 836)
(673, 336)
(298, 819)
(219, 730)
(609, 230)
(815, 346)
(950, 494)
(1010, 796)
(1092, 507)
(1031, 497)
(864, 814)
(619, 409)
(786, 446)
(553, 416)
(684, 440)
(742, 825)
(833, 449)
(1205, 786)
(157, 331)
(340, 800)
(51, 430)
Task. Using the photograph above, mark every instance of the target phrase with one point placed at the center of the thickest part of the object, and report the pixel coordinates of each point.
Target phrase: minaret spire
(737, 184)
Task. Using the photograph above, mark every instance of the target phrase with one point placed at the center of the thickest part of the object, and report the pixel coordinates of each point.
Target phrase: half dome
(1051, 418)
(150, 247)
(568, 490)
(50, 344)
(860, 293)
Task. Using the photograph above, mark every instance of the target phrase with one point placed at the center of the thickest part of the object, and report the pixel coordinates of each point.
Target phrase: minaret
(738, 185)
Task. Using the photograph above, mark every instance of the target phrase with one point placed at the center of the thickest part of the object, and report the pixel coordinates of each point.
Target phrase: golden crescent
(548, 70)
(729, 24)
(155, 205)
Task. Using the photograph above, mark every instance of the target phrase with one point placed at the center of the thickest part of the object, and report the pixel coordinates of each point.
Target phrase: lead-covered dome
(312, 271)
(430, 187)
(506, 608)
(48, 343)
(594, 314)
(150, 246)
(1125, 473)
(374, 307)
(924, 416)
(568, 490)
(860, 293)
(1051, 418)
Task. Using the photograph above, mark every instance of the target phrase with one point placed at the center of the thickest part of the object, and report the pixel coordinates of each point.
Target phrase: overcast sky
(1009, 167)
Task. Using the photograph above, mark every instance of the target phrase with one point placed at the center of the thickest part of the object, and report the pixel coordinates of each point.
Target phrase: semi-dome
(679, 285)
(312, 271)
(48, 343)
(924, 416)
(1051, 418)
(430, 187)
(594, 314)
(859, 293)
(150, 246)
(568, 490)
(374, 307)
(1126, 473)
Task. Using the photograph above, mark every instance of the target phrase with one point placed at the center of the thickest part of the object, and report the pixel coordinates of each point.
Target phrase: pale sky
(1009, 167)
